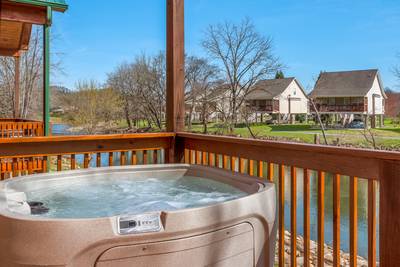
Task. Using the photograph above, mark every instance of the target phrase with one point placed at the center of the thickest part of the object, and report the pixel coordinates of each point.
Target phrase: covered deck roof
(17, 18)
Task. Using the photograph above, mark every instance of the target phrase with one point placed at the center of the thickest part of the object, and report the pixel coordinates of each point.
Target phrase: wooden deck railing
(30, 155)
(259, 158)
(11, 128)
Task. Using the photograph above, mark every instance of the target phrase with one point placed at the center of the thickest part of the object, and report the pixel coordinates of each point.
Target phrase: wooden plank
(145, 156)
(389, 210)
(30, 165)
(242, 165)
(336, 220)
(217, 160)
(110, 159)
(98, 160)
(225, 164)
(133, 158)
(260, 169)
(86, 161)
(123, 158)
(251, 167)
(59, 163)
(293, 217)
(155, 157)
(22, 13)
(175, 66)
(198, 157)
(44, 164)
(270, 175)
(191, 157)
(306, 216)
(371, 223)
(321, 209)
(281, 211)
(73, 162)
(204, 158)
(211, 159)
(233, 164)
(353, 221)
(66, 145)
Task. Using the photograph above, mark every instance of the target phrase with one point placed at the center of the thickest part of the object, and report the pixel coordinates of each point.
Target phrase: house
(283, 97)
(392, 107)
(216, 100)
(350, 94)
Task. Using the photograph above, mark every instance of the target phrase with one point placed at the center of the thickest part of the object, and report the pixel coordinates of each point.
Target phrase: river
(62, 129)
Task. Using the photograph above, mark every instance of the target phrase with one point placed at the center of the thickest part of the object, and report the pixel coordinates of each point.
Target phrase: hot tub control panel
(136, 224)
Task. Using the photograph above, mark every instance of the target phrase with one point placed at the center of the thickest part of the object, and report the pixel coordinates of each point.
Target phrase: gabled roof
(346, 83)
(58, 5)
(268, 89)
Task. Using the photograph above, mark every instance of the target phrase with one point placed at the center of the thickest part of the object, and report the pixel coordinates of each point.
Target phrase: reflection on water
(344, 210)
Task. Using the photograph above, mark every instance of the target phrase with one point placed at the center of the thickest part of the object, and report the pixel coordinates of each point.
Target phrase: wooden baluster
(123, 158)
(191, 156)
(336, 220)
(2, 168)
(133, 158)
(233, 164)
(353, 221)
(144, 157)
(73, 162)
(306, 216)
(30, 165)
(9, 169)
(270, 176)
(15, 167)
(242, 165)
(293, 217)
(204, 158)
(86, 161)
(198, 157)
(281, 205)
(225, 162)
(371, 223)
(186, 156)
(110, 159)
(98, 160)
(210, 159)
(59, 163)
(155, 156)
(260, 169)
(251, 167)
(321, 215)
(44, 164)
(217, 158)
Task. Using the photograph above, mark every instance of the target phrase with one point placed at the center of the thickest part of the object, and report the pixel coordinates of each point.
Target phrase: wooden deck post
(389, 210)
(175, 66)
(46, 72)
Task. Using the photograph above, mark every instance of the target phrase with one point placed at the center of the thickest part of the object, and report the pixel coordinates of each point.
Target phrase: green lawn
(387, 137)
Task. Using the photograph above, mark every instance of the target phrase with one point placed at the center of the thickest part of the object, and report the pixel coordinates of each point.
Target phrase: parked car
(357, 125)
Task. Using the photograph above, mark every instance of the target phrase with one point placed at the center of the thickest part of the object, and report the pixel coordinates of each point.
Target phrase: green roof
(58, 5)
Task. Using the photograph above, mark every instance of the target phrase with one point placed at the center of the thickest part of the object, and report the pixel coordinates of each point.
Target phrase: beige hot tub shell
(239, 232)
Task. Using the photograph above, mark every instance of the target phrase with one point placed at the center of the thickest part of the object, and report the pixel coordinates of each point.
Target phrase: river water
(62, 129)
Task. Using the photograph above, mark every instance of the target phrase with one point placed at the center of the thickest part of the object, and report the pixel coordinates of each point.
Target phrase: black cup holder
(38, 208)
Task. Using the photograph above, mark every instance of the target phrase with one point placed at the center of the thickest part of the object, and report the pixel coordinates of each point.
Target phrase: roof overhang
(17, 18)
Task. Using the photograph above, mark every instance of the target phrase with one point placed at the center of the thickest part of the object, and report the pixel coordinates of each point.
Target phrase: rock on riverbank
(344, 257)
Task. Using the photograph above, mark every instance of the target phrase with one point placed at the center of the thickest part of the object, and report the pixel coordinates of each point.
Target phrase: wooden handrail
(348, 161)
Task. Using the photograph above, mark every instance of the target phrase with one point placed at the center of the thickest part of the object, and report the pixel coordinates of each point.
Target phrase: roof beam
(22, 13)
(25, 36)
(9, 52)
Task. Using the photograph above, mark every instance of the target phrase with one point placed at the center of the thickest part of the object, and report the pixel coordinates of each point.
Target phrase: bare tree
(93, 108)
(396, 69)
(200, 79)
(245, 57)
(30, 79)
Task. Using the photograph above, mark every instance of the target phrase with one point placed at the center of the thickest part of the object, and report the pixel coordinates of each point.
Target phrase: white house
(350, 94)
(284, 97)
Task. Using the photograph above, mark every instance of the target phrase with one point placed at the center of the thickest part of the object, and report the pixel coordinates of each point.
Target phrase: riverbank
(344, 257)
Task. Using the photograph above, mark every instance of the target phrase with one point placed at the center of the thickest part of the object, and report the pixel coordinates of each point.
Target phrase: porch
(341, 104)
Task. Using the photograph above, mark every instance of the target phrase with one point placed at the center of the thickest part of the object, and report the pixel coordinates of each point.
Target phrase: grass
(387, 137)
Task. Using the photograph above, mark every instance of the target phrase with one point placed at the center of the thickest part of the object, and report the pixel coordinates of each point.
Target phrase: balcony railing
(341, 108)
(12, 128)
(380, 170)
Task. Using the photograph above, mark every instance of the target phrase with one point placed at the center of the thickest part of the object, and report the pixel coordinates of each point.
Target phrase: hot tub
(154, 215)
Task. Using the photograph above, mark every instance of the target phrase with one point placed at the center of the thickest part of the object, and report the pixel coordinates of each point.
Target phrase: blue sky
(309, 35)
